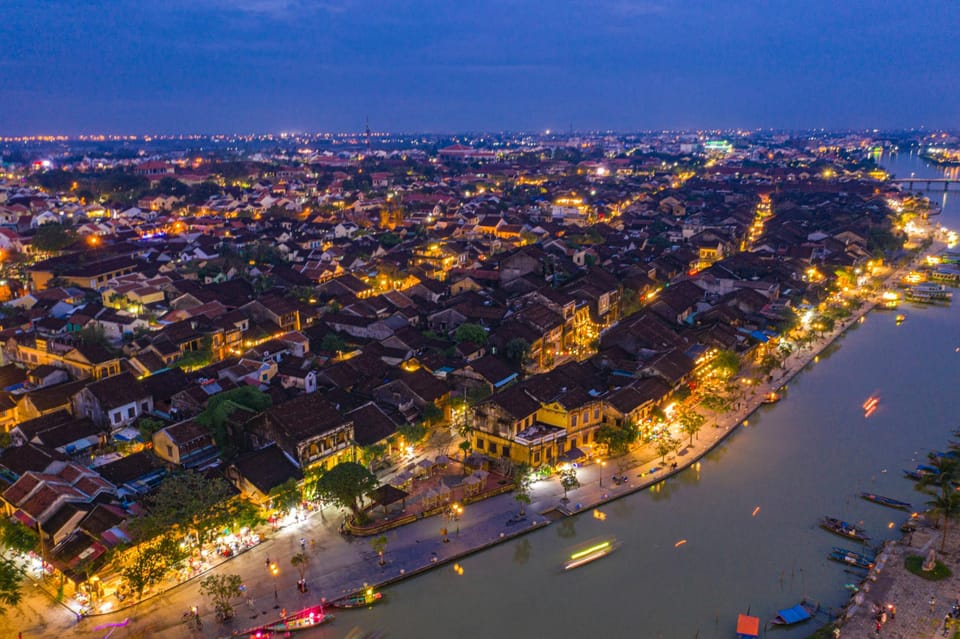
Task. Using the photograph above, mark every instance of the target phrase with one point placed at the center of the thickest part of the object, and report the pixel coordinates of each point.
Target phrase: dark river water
(798, 460)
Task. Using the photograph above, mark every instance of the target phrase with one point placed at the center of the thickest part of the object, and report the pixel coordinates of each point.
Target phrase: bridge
(930, 182)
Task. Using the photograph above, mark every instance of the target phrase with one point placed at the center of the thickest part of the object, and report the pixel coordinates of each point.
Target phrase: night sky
(225, 66)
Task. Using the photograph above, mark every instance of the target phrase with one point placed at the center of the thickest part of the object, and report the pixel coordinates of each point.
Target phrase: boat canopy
(747, 626)
(794, 615)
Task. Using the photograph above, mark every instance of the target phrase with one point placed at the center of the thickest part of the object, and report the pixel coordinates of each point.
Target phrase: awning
(386, 495)
(748, 626)
(572, 455)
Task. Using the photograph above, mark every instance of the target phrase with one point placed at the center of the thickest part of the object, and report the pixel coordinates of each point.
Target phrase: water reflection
(521, 551)
(567, 527)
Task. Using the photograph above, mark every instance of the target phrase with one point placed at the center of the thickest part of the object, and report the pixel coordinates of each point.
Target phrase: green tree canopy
(10, 578)
(203, 192)
(346, 484)
(171, 186)
(413, 432)
(617, 439)
(188, 502)
(221, 590)
(53, 237)
(690, 422)
(470, 333)
(148, 563)
(522, 482)
(568, 480)
(517, 350)
(332, 343)
(727, 364)
(18, 537)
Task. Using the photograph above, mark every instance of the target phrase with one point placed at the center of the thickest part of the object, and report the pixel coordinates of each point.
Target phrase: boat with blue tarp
(803, 611)
(843, 528)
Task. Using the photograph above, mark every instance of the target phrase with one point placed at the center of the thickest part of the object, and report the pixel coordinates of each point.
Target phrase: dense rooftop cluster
(261, 313)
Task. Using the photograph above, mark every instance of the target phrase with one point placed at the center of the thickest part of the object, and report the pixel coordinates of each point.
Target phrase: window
(169, 450)
(596, 413)
(573, 421)
(586, 416)
(506, 451)
(480, 444)
(573, 443)
(116, 417)
(131, 412)
(145, 407)
(536, 457)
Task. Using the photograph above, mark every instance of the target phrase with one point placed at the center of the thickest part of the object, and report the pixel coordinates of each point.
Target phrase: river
(798, 460)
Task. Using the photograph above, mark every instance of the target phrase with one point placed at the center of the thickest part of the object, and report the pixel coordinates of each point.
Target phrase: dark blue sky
(171, 66)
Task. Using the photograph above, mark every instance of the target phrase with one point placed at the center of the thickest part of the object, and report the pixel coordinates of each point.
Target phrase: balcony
(539, 434)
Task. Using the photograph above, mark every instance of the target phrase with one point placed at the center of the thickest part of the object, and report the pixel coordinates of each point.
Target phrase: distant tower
(368, 134)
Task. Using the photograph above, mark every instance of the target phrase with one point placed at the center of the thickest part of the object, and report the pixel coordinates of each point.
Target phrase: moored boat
(771, 398)
(851, 558)
(361, 599)
(801, 612)
(303, 620)
(842, 528)
(748, 627)
(885, 501)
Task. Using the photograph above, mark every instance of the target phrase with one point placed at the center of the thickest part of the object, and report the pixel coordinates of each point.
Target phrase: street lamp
(274, 570)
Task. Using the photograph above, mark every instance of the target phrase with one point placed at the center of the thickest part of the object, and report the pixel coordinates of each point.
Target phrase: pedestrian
(268, 561)
(933, 603)
(879, 628)
(946, 625)
(883, 617)
(893, 612)
(313, 545)
(303, 544)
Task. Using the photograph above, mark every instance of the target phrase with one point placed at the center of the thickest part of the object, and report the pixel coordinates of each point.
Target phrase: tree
(10, 577)
(148, 563)
(522, 482)
(301, 561)
(203, 192)
(431, 414)
(18, 537)
(470, 333)
(690, 422)
(171, 186)
(727, 364)
(332, 343)
(617, 439)
(189, 502)
(568, 480)
(148, 426)
(946, 507)
(517, 350)
(50, 238)
(413, 432)
(379, 545)
(286, 496)
(221, 589)
(346, 484)
(465, 446)
(665, 445)
(372, 454)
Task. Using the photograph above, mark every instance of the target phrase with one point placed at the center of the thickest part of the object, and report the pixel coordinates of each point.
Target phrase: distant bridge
(930, 182)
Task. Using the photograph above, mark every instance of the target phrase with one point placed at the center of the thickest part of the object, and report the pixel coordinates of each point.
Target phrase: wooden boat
(591, 553)
(885, 501)
(851, 558)
(303, 620)
(842, 528)
(771, 398)
(803, 611)
(900, 318)
(922, 472)
(361, 599)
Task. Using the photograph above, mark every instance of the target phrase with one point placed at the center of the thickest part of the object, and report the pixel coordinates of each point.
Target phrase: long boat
(842, 528)
(886, 501)
(360, 599)
(801, 612)
(594, 552)
(303, 620)
(851, 558)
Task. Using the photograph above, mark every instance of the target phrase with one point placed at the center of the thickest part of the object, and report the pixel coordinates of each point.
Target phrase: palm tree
(944, 480)
(379, 546)
(948, 507)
